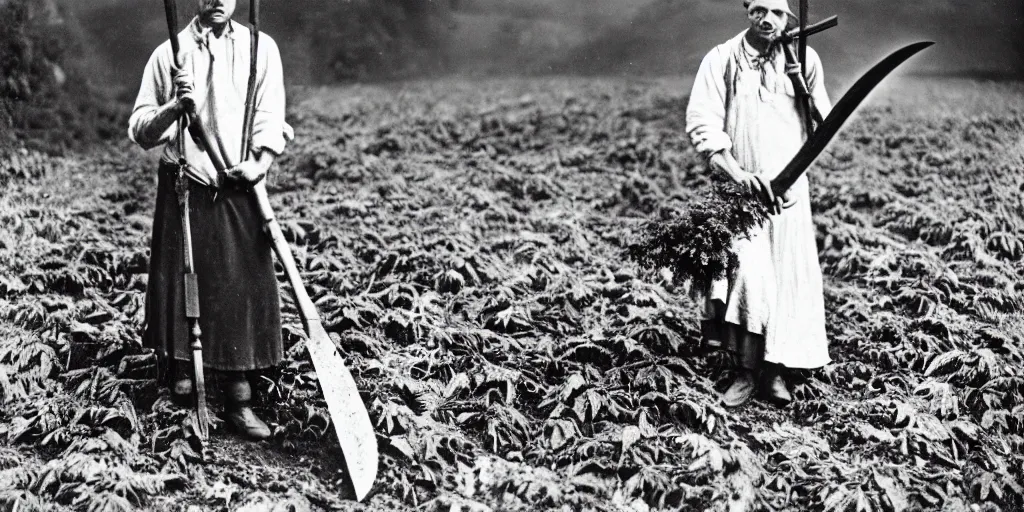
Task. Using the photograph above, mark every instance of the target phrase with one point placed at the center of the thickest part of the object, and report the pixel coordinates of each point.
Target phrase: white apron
(776, 289)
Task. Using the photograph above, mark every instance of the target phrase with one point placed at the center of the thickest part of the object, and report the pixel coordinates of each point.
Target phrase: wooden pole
(809, 117)
(191, 282)
(348, 413)
(250, 94)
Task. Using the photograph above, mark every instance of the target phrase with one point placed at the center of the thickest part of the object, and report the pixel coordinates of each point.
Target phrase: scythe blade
(842, 111)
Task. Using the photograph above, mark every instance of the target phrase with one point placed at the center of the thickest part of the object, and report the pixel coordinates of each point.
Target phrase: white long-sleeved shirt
(220, 69)
(744, 102)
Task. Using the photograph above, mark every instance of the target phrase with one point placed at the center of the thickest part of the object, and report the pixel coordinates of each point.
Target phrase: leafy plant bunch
(696, 242)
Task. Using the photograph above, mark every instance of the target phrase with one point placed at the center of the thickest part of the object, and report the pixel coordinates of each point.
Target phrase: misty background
(69, 69)
(327, 41)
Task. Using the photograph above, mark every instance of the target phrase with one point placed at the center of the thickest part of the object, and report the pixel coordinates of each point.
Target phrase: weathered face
(767, 24)
(216, 12)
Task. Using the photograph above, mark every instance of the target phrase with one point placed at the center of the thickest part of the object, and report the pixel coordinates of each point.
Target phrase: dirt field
(465, 242)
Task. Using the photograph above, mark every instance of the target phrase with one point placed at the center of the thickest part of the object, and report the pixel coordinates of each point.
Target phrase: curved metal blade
(352, 424)
(840, 114)
(348, 412)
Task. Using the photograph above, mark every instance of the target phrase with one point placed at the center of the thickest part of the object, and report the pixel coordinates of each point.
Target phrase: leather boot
(774, 388)
(742, 388)
(238, 413)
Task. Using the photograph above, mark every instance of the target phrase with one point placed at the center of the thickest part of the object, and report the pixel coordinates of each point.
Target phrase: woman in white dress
(743, 117)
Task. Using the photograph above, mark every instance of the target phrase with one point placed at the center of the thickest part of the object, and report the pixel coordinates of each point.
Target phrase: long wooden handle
(802, 43)
(191, 285)
(171, 12)
(808, 111)
(284, 253)
(250, 94)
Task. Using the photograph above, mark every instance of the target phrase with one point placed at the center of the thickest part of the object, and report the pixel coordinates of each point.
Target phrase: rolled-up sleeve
(705, 113)
(153, 92)
(269, 129)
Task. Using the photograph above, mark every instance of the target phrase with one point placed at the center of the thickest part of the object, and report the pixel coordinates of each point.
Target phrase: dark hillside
(321, 42)
(47, 97)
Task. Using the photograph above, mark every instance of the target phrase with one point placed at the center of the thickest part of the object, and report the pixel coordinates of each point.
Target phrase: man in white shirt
(238, 291)
(743, 117)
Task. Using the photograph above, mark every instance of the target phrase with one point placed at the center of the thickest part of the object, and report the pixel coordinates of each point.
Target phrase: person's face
(767, 24)
(216, 12)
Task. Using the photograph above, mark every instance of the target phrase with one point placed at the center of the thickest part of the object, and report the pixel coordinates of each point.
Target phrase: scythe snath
(191, 282)
(348, 412)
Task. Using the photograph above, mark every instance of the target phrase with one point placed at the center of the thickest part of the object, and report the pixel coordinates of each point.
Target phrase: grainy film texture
(539, 259)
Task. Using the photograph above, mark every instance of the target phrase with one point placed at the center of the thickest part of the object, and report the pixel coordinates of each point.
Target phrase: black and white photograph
(511, 255)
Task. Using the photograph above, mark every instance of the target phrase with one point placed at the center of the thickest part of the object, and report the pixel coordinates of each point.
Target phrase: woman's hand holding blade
(775, 203)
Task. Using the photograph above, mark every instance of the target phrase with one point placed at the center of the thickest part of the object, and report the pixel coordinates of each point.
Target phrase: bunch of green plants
(696, 241)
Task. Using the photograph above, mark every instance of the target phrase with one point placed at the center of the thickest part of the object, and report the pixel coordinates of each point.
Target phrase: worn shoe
(237, 412)
(181, 392)
(741, 390)
(244, 421)
(774, 388)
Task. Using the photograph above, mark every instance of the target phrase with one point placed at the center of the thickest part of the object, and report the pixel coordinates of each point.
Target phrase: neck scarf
(203, 34)
(767, 63)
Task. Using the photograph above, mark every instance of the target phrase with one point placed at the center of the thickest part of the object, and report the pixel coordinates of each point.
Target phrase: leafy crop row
(466, 245)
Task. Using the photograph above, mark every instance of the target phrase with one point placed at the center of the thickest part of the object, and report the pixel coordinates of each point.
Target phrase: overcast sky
(651, 37)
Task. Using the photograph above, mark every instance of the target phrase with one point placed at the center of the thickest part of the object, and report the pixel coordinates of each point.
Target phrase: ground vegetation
(466, 243)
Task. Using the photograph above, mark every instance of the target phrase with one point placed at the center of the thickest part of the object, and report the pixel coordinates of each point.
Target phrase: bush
(47, 101)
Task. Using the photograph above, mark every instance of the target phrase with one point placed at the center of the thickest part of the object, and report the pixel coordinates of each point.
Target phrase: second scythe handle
(284, 253)
(250, 94)
(191, 284)
(802, 43)
(803, 94)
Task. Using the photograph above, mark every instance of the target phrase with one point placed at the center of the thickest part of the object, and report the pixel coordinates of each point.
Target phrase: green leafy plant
(696, 243)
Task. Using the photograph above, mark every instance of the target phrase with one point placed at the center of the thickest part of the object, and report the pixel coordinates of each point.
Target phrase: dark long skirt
(239, 306)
